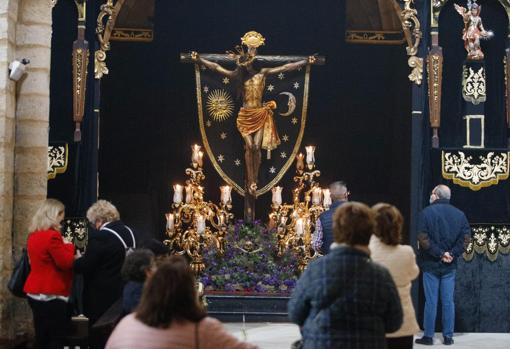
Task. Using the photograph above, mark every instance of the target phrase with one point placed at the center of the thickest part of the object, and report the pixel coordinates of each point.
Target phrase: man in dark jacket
(339, 195)
(443, 231)
(344, 300)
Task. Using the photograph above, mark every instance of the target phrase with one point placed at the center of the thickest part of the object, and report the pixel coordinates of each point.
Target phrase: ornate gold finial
(253, 39)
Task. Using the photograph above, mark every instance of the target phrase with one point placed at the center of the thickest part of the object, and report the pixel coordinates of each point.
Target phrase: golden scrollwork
(195, 224)
(473, 85)
(374, 37)
(417, 73)
(132, 35)
(412, 32)
(57, 160)
(105, 24)
(492, 168)
(488, 239)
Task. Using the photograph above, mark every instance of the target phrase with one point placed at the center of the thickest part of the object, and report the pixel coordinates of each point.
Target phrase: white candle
(316, 196)
(200, 159)
(225, 196)
(170, 221)
(300, 228)
(277, 195)
(200, 224)
(327, 198)
(189, 193)
(177, 193)
(310, 158)
(195, 153)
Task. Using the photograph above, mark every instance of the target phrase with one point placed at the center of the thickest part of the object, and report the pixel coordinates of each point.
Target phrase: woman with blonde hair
(48, 285)
(401, 262)
(170, 316)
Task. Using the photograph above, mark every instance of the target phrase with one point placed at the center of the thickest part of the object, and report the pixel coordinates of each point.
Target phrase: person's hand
(312, 59)
(447, 257)
(194, 56)
(77, 254)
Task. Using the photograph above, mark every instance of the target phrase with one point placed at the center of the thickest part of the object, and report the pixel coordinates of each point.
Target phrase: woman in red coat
(48, 285)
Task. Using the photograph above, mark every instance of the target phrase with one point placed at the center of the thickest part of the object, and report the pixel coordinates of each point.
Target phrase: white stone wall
(25, 32)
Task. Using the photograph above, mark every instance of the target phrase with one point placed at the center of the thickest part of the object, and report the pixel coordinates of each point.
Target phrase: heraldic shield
(219, 102)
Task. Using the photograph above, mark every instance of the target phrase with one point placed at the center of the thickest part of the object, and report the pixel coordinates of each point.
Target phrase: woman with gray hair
(102, 262)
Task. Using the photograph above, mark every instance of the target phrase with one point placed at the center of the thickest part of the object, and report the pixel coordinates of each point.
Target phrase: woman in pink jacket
(170, 317)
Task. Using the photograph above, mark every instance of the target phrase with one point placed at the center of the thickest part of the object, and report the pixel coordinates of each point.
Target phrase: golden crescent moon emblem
(291, 103)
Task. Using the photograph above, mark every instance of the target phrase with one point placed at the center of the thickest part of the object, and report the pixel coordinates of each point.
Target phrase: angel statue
(473, 30)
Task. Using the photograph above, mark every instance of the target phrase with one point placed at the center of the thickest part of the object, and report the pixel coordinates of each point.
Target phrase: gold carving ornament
(295, 223)
(108, 10)
(193, 224)
(491, 169)
(412, 32)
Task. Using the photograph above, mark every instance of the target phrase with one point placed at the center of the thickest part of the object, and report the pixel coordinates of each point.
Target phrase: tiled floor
(280, 336)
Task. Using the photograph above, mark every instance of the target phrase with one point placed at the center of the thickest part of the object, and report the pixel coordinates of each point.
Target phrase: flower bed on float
(250, 264)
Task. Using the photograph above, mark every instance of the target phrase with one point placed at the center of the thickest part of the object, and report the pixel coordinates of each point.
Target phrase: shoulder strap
(117, 235)
(132, 236)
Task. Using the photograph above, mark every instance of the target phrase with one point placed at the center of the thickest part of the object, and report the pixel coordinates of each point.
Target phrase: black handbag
(19, 275)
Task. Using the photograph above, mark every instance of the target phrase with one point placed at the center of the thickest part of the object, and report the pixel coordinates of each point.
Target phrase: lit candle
(177, 193)
(225, 196)
(195, 154)
(300, 165)
(327, 198)
(316, 196)
(277, 195)
(200, 159)
(170, 221)
(300, 227)
(200, 224)
(310, 158)
(189, 193)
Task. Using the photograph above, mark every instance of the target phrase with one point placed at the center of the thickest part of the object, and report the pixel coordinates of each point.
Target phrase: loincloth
(250, 120)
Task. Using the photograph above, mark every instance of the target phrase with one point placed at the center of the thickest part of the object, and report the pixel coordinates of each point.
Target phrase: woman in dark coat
(102, 262)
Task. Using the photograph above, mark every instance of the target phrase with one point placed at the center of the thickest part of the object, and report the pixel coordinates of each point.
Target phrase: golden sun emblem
(220, 105)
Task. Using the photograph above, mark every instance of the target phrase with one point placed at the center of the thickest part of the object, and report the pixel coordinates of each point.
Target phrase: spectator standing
(48, 285)
(344, 300)
(443, 231)
(138, 265)
(400, 260)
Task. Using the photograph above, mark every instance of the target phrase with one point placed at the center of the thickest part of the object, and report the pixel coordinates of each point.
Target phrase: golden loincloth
(250, 120)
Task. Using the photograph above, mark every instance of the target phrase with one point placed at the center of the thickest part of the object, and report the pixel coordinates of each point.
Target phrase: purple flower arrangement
(250, 264)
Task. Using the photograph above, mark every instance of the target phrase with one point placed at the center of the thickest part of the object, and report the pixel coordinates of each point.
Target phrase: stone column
(8, 19)
(25, 32)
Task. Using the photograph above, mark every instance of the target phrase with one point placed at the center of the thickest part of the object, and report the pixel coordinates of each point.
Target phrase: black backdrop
(359, 109)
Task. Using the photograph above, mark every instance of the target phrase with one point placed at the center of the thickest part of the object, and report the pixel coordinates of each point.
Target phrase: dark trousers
(51, 322)
(400, 342)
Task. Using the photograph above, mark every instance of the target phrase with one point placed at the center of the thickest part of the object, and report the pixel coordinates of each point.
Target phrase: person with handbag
(170, 316)
(344, 300)
(48, 285)
(101, 265)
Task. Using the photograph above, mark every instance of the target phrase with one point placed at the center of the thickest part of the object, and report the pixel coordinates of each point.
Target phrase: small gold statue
(473, 30)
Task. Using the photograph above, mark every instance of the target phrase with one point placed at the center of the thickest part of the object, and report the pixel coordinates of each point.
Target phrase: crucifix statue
(255, 118)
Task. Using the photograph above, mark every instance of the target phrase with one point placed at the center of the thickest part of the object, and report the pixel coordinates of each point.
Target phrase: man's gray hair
(338, 190)
(443, 192)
